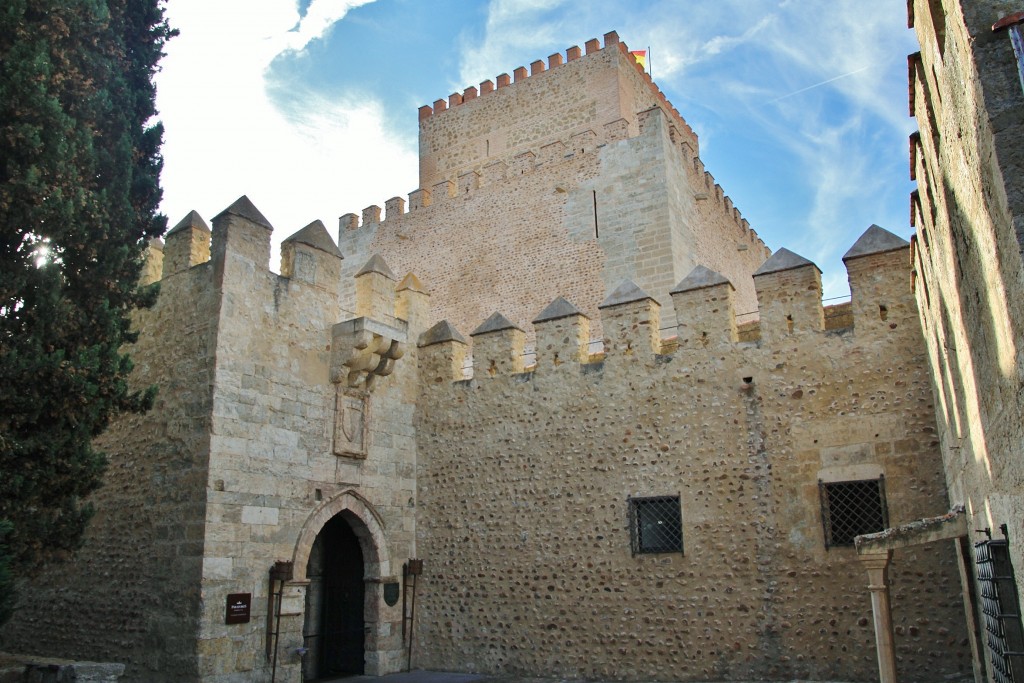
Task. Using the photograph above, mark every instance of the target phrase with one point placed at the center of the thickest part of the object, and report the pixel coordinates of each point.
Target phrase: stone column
(877, 565)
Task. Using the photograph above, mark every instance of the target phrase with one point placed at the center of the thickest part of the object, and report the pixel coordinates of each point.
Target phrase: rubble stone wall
(526, 477)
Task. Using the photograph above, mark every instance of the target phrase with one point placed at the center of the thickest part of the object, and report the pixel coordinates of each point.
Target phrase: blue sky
(310, 107)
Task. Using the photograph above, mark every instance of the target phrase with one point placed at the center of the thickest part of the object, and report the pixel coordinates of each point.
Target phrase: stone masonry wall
(274, 476)
(131, 594)
(968, 159)
(525, 479)
(566, 100)
(574, 223)
(236, 469)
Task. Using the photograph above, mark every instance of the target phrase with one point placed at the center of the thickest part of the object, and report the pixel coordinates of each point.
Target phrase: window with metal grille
(1000, 608)
(852, 508)
(655, 525)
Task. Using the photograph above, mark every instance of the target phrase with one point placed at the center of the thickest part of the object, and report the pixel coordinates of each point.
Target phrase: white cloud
(320, 16)
(224, 137)
(513, 28)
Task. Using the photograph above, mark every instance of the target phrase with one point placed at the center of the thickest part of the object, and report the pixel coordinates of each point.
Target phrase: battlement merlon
(705, 314)
(187, 244)
(310, 255)
(240, 233)
(878, 265)
(789, 292)
(497, 347)
(631, 321)
(497, 123)
(563, 334)
(375, 290)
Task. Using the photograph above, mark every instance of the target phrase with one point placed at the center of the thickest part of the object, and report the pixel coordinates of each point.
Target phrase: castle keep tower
(563, 179)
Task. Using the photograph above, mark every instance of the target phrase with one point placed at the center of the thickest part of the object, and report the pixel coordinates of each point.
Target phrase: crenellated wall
(526, 475)
(572, 217)
(569, 97)
(570, 197)
(241, 462)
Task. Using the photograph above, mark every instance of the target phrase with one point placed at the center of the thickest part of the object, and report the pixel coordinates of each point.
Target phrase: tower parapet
(495, 122)
(537, 67)
(789, 293)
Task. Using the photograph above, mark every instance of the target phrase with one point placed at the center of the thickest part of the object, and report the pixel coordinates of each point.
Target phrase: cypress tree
(79, 172)
(6, 579)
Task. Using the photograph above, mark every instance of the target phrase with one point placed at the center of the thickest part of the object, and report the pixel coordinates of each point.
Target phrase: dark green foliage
(6, 579)
(79, 172)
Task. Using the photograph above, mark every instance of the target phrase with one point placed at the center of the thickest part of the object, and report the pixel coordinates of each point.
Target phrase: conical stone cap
(441, 332)
(556, 310)
(376, 264)
(875, 240)
(626, 293)
(782, 260)
(191, 220)
(315, 235)
(699, 278)
(243, 208)
(495, 323)
(411, 283)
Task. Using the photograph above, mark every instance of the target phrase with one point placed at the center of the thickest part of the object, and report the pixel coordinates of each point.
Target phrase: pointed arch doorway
(332, 524)
(336, 601)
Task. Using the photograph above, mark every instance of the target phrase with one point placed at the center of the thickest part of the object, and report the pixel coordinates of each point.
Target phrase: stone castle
(624, 473)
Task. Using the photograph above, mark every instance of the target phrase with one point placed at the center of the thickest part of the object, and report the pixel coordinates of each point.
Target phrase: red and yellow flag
(641, 57)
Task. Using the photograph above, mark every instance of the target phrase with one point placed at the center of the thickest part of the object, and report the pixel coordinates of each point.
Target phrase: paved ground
(438, 677)
(447, 677)
(413, 677)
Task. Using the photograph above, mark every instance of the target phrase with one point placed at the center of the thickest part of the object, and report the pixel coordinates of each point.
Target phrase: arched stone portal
(340, 560)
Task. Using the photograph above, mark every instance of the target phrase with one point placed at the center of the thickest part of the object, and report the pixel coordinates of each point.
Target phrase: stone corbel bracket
(363, 349)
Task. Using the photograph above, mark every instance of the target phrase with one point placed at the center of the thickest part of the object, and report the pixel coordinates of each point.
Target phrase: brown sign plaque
(237, 611)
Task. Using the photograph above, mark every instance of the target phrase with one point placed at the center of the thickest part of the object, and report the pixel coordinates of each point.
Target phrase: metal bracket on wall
(410, 570)
(279, 574)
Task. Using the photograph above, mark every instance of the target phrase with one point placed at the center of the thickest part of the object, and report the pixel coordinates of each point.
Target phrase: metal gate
(1000, 607)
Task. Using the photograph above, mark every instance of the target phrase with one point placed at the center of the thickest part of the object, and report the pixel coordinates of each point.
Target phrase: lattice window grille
(1000, 609)
(852, 508)
(655, 525)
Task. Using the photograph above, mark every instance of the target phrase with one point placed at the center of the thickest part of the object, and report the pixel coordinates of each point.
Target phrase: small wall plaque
(391, 593)
(237, 611)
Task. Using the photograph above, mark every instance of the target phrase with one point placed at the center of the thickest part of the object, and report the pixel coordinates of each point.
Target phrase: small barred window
(852, 508)
(655, 525)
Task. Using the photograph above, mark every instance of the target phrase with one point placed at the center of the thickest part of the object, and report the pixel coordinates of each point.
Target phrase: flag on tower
(641, 57)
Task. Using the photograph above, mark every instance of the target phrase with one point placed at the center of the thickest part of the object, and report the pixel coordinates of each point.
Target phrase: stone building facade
(529, 477)
(968, 157)
(635, 481)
